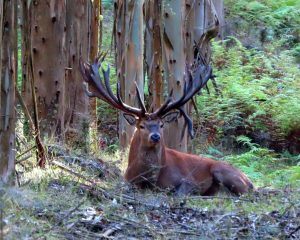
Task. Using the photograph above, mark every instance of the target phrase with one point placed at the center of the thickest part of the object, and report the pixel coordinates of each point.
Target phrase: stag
(151, 163)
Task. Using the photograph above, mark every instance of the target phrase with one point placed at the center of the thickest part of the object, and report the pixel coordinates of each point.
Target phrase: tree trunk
(78, 36)
(153, 52)
(200, 21)
(174, 56)
(219, 7)
(129, 57)
(26, 58)
(48, 36)
(8, 76)
(95, 32)
(55, 33)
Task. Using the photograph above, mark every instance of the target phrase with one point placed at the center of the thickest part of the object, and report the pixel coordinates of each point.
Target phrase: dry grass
(86, 198)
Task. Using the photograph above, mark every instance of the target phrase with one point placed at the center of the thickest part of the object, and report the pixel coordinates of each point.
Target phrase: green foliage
(265, 167)
(260, 91)
(107, 3)
(278, 19)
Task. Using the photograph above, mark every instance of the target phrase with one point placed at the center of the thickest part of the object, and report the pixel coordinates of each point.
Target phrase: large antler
(195, 80)
(91, 75)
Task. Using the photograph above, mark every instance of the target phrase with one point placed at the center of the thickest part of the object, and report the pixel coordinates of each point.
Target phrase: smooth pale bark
(200, 20)
(78, 39)
(174, 58)
(129, 57)
(171, 33)
(8, 76)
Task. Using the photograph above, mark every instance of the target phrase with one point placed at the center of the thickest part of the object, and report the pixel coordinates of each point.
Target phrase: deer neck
(144, 155)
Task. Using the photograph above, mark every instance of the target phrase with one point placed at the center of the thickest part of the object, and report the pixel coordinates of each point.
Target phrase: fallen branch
(219, 197)
(26, 151)
(293, 232)
(23, 159)
(69, 170)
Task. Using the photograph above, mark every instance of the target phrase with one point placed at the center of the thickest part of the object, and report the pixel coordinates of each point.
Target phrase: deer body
(162, 167)
(150, 162)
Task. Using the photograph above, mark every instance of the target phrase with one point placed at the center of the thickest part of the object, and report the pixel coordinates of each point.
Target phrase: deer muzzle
(155, 137)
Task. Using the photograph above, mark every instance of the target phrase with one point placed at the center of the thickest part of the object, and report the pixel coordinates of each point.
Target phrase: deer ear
(170, 117)
(130, 119)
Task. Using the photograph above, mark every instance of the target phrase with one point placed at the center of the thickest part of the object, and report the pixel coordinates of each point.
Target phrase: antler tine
(92, 94)
(188, 121)
(167, 106)
(193, 87)
(163, 107)
(177, 103)
(199, 82)
(141, 103)
(127, 108)
(91, 75)
(106, 81)
(97, 81)
(118, 99)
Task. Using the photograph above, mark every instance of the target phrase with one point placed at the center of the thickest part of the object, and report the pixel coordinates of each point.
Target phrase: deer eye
(142, 127)
(161, 126)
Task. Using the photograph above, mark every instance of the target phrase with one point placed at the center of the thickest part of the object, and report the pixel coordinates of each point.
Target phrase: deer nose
(155, 137)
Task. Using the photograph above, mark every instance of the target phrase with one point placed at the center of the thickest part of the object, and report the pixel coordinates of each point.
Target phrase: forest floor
(80, 197)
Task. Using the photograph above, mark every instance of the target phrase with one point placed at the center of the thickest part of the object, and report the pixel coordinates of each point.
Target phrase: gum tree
(8, 76)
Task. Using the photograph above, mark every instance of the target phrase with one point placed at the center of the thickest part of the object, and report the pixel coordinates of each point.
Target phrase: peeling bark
(129, 57)
(174, 32)
(8, 76)
(174, 56)
(201, 25)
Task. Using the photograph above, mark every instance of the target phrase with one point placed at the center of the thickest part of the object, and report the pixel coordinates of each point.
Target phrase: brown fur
(154, 165)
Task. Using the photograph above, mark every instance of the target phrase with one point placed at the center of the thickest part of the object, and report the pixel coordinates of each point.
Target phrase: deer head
(149, 124)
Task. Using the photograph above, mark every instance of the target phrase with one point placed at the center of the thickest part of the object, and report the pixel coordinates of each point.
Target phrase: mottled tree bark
(55, 33)
(48, 56)
(129, 57)
(153, 52)
(78, 36)
(8, 76)
(187, 27)
(219, 7)
(201, 25)
(174, 56)
(26, 55)
(95, 40)
(174, 32)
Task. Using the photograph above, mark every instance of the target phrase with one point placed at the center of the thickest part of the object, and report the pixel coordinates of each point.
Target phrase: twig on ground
(26, 151)
(293, 232)
(23, 159)
(135, 223)
(73, 210)
(219, 197)
(69, 170)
